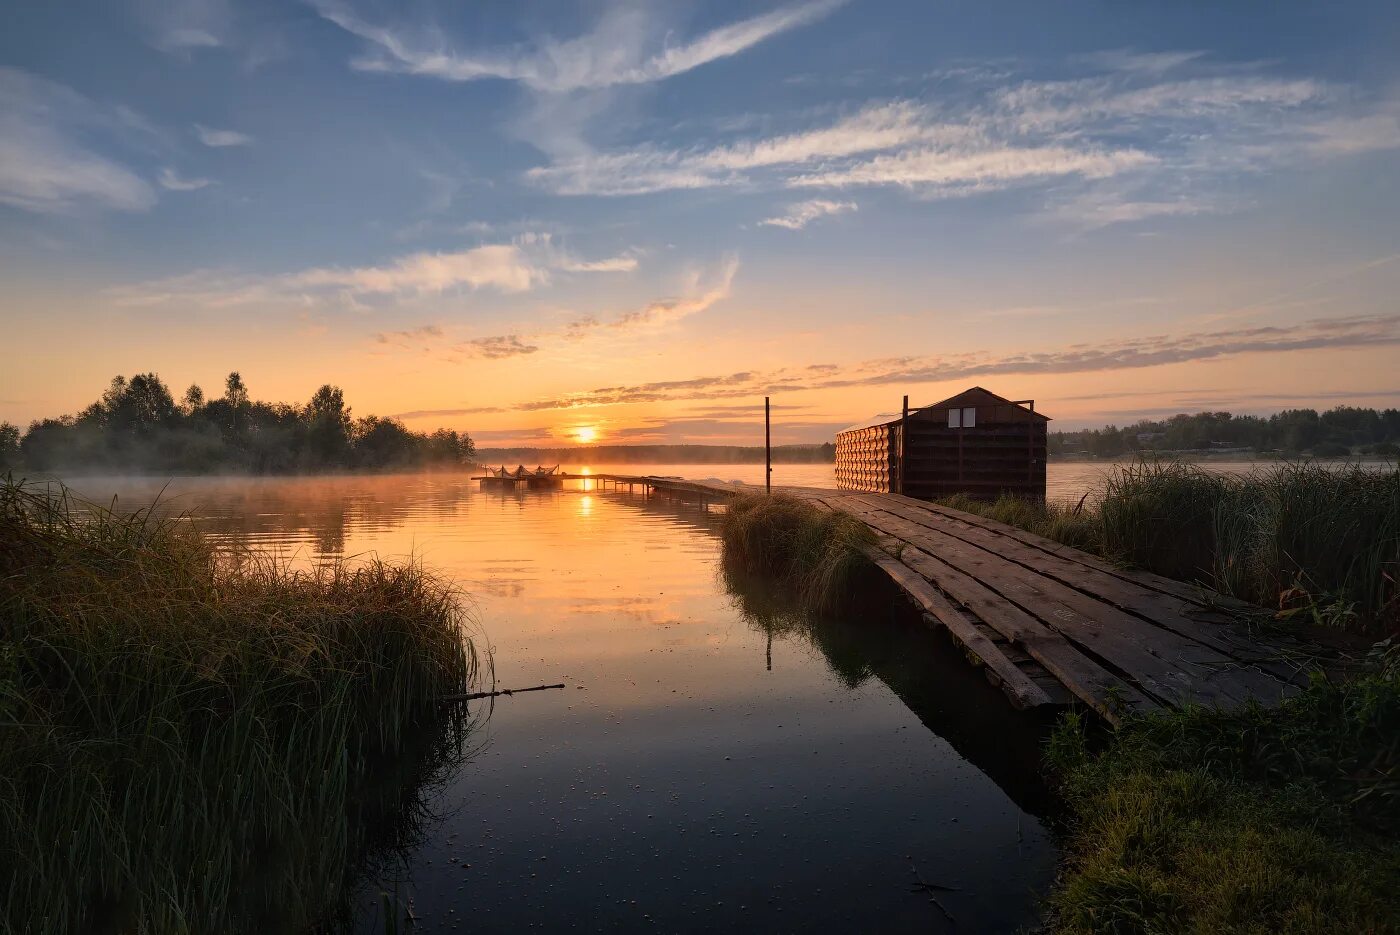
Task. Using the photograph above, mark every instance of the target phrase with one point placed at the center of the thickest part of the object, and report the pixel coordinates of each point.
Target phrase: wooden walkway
(1051, 624)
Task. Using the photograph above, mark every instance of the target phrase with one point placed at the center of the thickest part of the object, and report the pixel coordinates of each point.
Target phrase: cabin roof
(882, 418)
(972, 396)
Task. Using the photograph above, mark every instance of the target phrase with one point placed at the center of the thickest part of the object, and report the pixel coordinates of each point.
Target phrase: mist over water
(678, 780)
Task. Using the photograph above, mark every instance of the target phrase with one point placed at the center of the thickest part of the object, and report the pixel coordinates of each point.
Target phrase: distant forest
(660, 454)
(1336, 433)
(138, 426)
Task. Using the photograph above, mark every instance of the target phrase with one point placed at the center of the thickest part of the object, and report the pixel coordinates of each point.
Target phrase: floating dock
(1051, 624)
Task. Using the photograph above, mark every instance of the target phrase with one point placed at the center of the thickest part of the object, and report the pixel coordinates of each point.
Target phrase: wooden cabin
(976, 442)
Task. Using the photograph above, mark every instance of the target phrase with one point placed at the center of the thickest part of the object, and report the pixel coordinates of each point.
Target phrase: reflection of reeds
(193, 740)
(1293, 535)
(817, 553)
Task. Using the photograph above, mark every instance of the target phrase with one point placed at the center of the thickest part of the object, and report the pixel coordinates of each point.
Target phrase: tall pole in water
(767, 451)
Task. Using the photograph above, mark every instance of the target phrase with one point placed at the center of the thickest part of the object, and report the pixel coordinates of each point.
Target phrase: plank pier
(1049, 624)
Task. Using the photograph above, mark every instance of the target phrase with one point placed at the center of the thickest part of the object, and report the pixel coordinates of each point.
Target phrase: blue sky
(526, 219)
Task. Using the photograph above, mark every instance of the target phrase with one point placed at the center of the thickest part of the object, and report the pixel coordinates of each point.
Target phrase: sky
(545, 223)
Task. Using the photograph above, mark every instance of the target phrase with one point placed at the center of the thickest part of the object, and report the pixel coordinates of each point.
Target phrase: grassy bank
(1308, 540)
(196, 741)
(815, 554)
(1278, 821)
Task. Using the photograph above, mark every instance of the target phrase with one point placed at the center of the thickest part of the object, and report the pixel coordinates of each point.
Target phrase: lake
(711, 765)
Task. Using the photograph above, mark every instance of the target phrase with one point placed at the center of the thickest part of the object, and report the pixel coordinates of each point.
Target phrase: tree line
(137, 425)
(1338, 432)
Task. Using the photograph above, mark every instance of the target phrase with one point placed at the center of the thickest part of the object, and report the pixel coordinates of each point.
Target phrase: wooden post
(903, 434)
(767, 451)
(1030, 444)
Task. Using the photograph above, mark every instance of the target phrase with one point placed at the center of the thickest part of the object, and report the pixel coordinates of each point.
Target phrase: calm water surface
(693, 775)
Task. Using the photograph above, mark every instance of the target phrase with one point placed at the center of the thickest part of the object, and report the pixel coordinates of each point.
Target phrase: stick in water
(472, 696)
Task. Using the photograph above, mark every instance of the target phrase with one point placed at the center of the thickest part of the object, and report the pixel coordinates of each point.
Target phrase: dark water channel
(716, 763)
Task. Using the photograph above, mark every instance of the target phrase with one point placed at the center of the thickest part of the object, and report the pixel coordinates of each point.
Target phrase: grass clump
(1059, 521)
(194, 740)
(818, 554)
(1260, 821)
(1311, 540)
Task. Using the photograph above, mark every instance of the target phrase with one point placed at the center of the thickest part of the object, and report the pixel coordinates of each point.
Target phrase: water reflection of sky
(677, 782)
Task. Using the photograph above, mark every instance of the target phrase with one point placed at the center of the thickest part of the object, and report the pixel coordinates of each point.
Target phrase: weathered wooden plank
(1103, 690)
(1189, 592)
(1172, 668)
(1186, 618)
(1017, 684)
(1022, 691)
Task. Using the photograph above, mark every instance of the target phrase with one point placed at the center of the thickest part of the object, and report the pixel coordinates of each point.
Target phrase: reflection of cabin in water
(976, 443)
(523, 476)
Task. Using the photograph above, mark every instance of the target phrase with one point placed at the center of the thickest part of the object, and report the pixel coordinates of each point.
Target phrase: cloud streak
(805, 212)
(627, 46)
(48, 161)
(526, 263)
(220, 139)
(170, 180)
(1139, 353)
(701, 290)
(1174, 131)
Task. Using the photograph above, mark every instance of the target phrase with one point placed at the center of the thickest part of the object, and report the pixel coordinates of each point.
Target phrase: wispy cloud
(1130, 60)
(497, 347)
(171, 181)
(467, 411)
(1106, 206)
(803, 213)
(700, 290)
(628, 45)
(49, 161)
(1131, 354)
(1173, 130)
(529, 261)
(180, 27)
(218, 139)
(404, 337)
(940, 172)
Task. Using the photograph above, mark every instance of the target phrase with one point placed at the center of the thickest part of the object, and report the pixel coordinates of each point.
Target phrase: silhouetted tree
(9, 445)
(136, 425)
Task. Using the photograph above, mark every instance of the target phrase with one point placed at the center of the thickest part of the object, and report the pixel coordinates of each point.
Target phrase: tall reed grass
(1300, 537)
(190, 739)
(818, 554)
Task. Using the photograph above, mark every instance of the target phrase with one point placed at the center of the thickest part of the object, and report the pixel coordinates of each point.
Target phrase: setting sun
(586, 433)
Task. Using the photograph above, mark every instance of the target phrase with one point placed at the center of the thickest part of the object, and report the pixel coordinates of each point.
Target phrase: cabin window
(962, 418)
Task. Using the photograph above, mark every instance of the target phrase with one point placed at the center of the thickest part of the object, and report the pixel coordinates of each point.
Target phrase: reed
(818, 554)
(191, 739)
(1307, 539)
(1059, 521)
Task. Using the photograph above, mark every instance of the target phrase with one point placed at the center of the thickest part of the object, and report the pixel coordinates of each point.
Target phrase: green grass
(1262, 821)
(817, 554)
(1308, 540)
(199, 741)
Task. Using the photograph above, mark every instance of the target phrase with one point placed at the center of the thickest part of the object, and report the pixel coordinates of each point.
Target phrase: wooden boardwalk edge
(1048, 623)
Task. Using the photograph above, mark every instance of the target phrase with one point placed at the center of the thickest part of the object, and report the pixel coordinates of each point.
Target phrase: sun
(586, 433)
